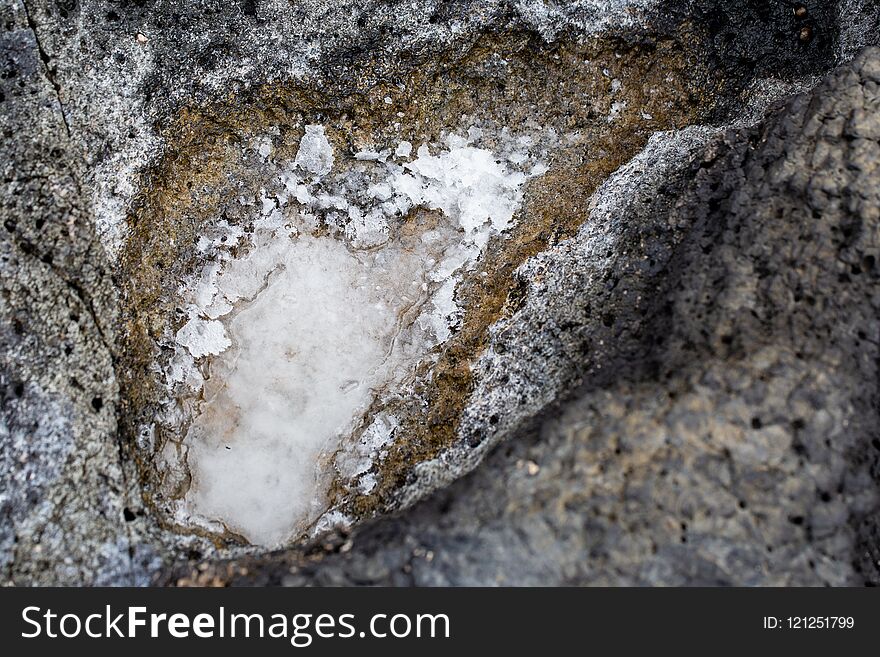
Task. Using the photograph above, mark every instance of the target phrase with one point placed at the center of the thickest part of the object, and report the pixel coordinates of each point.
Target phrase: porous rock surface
(685, 392)
(720, 335)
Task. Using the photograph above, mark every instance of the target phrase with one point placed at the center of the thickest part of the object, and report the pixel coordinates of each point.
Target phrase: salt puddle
(336, 299)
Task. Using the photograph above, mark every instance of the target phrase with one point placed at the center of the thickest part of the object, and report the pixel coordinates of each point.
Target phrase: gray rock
(685, 394)
(856, 18)
(62, 486)
(717, 316)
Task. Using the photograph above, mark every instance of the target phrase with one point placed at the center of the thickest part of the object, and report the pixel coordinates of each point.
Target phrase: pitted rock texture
(682, 393)
(723, 432)
(63, 489)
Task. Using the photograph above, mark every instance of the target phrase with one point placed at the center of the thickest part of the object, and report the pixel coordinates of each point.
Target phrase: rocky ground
(666, 374)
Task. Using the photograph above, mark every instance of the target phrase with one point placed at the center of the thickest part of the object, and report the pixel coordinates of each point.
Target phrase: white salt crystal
(203, 338)
(315, 153)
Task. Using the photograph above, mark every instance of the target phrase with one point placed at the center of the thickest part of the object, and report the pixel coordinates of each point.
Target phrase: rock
(63, 489)
(718, 316)
(676, 386)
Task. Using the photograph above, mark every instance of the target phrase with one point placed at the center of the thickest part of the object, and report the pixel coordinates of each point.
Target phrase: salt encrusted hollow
(327, 304)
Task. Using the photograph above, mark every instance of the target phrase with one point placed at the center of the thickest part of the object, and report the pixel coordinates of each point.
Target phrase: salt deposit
(339, 293)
